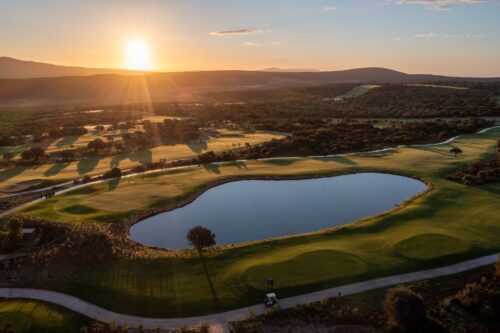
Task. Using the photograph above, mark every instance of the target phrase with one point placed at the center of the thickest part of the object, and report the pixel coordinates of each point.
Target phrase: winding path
(218, 322)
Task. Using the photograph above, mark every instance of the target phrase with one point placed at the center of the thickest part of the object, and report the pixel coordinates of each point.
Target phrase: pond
(251, 210)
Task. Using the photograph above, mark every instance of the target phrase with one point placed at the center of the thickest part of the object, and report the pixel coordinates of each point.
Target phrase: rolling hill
(118, 86)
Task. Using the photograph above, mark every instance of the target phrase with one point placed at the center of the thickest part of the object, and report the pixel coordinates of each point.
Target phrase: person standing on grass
(270, 282)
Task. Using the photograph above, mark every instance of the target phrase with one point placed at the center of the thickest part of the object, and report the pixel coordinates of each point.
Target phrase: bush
(113, 173)
(405, 310)
(11, 234)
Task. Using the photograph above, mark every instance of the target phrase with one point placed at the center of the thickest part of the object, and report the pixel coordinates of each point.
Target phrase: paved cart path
(218, 322)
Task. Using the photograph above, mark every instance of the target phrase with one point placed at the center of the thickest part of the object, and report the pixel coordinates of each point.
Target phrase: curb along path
(218, 322)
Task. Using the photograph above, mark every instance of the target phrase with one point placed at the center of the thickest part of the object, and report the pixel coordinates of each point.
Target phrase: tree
(200, 237)
(96, 145)
(8, 156)
(12, 234)
(405, 310)
(456, 151)
(34, 153)
(113, 173)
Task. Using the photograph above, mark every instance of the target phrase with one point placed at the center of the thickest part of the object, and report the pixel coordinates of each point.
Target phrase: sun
(136, 55)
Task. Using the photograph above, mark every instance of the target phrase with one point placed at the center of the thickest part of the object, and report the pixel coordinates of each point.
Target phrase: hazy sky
(454, 37)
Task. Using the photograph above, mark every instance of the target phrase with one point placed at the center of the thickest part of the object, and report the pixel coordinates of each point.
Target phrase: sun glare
(137, 55)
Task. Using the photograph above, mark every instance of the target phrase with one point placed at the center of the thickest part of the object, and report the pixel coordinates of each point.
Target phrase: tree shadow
(67, 141)
(55, 169)
(336, 159)
(281, 162)
(212, 168)
(7, 174)
(113, 184)
(238, 164)
(198, 147)
(143, 156)
(87, 165)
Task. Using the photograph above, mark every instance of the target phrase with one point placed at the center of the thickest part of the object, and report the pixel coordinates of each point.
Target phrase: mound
(308, 268)
(430, 246)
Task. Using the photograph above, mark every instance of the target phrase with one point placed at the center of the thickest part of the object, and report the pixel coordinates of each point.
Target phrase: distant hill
(11, 68)
(289, 70)
(130, 87)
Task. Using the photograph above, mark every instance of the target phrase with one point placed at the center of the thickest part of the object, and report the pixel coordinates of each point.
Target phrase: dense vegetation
(478, 173)
(348, 136)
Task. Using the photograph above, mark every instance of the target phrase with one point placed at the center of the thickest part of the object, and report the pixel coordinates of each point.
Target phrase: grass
(437, 86)
(464, 221)
(358, 91)
(28, 316)
(11, 178)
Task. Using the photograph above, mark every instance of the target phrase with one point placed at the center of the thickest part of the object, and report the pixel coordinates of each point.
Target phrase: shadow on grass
(67, 141)
(12, 172)
(336, 159)
(238, 164)
(212, 168)
(281, 162)
(143, 156)
(55, 169)
(87, 165)
(198, 147)
(113, 184)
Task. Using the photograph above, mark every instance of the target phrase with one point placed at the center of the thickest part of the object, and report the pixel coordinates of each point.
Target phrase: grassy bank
(449, 224)
(28, 316)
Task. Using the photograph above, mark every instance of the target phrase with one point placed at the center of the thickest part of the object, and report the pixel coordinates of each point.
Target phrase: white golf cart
(270, 300)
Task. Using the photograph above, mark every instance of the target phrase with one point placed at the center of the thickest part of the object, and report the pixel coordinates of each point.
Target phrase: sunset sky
(453, 37)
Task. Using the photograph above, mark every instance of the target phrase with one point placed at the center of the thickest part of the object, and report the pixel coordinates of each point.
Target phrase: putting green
(315, 265)
(430, 246)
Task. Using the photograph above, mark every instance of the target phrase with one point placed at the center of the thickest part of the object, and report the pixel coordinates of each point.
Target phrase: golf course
(25, 177)
(447, 223)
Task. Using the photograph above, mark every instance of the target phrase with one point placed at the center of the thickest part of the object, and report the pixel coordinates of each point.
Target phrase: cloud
(236, 32)
(329, 8)
(439, 8)
(252, 44)
(438, 5)
(426, 35)
(435, 35)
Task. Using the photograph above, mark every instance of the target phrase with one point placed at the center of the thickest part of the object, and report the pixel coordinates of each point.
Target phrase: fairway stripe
(218, 322)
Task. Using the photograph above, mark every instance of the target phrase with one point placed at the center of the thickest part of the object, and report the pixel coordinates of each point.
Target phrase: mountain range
(33, 84)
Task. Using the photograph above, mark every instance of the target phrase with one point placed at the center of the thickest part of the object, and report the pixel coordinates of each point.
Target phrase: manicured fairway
(95, 165)
(36, 317)
(450, 223)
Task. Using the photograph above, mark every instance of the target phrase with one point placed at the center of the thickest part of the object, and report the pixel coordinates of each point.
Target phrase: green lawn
(28, 316)
(450, 223)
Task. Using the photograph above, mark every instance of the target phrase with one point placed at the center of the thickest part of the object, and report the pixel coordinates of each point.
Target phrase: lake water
(258, 209)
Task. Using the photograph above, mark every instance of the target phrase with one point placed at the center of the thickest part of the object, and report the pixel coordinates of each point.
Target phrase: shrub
(113, 173)
(405, 310)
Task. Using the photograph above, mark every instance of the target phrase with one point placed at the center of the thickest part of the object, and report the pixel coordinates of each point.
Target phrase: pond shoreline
(196, 193)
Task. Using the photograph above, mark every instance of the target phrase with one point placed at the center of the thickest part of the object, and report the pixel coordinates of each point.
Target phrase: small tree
(200, 238)
(8, 156)
(12, 234)
(405, 310)
(455, 151)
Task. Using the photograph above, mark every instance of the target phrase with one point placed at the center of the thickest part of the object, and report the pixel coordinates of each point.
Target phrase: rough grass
(36, 317)
(68, 171)
(169, 286)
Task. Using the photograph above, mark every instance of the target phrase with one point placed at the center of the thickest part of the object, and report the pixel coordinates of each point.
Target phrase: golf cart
(270, 300)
